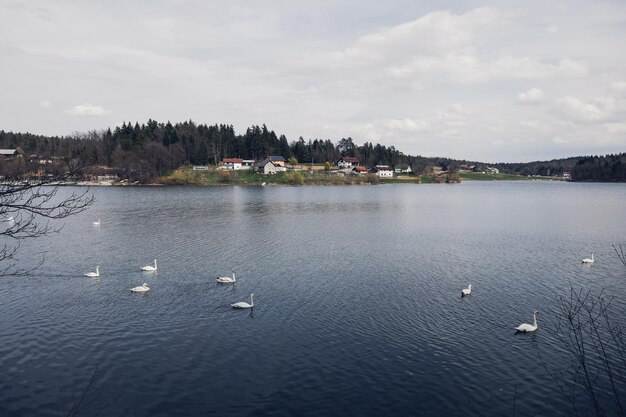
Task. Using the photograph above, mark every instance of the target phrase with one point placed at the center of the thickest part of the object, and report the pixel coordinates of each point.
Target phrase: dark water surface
(357, 305)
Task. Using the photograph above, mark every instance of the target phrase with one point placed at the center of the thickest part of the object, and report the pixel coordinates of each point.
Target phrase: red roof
(360, 169)
(232, 160)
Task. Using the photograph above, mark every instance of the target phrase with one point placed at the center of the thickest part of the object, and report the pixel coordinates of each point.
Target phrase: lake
(357, 300)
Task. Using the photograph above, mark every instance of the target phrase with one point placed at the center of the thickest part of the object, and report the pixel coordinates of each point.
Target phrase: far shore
(302, 180)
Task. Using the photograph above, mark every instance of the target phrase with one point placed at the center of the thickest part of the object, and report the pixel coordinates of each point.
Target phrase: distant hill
(141, 152)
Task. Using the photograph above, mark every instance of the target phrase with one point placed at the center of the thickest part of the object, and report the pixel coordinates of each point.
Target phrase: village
(344, 166)
(273, 169)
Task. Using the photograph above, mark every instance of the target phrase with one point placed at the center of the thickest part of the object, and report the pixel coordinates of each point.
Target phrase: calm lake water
(357, 300)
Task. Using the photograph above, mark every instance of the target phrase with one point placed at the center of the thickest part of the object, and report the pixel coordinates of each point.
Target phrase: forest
(143, 152)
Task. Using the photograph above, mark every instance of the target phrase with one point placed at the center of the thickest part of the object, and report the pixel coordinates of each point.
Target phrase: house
(359, 170)
(8, 153)
(383, 171)
(247, 163)
(277, 160)
(492, 170)
(348, 162)
(402, 169)
(266, 167)
(232, 164)
(37, 159)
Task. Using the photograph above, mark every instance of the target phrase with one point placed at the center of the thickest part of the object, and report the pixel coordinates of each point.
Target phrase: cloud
(603, 109)
(330, 69)
(619, 86)
(446, 46)
(88, 110)
(45, 103)
(532, 96)
(580, 110)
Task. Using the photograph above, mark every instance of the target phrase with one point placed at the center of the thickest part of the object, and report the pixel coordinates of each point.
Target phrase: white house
(402, 169)
(492, 170)
(383, 171)
(267, 167)
(232, 164)
(348, 162)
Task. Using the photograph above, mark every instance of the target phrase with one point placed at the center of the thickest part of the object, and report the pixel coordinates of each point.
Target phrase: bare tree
(29, 209)
(620, 253)
(596, 349)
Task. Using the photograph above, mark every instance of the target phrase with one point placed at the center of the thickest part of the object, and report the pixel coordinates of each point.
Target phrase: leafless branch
(620, 253)
(31, 209)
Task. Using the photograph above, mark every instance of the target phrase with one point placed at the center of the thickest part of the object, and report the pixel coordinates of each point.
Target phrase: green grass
(186, 176)
(479, 176)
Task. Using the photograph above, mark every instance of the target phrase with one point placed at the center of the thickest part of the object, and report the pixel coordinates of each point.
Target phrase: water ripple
(357, 306)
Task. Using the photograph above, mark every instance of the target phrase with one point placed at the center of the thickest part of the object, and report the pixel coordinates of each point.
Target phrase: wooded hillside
(141, 152)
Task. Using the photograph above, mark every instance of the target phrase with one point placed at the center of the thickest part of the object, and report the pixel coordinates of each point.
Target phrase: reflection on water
(357, 300)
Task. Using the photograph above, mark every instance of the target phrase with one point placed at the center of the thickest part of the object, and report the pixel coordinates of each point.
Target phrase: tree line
(581, 168)
(142, 152)
(145, 151)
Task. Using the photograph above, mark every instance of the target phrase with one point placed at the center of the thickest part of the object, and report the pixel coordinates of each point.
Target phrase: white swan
(589, 260)
(150, 267)
(466, 291)
(9, 219)
(227, 280)
(94, 274)
(525, 327)
(243, 304)
(96, 223)
(141, 288)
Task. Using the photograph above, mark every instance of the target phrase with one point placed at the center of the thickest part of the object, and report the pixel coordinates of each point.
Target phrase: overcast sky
(509, 81)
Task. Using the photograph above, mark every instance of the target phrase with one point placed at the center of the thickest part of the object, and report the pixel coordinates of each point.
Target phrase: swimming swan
(94, 274)
(525, 327)
(227, 280)
(589, 260)
(141, 288)
(243, 304)
(150, 267)
(466, 291)
(96, 223)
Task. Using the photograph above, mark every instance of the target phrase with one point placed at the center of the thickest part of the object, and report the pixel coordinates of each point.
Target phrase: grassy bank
(186, 176)
(479, 176)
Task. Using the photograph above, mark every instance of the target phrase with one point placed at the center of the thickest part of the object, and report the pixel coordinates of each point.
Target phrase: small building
(266, 167)
(567, 175)
(8, 153)
(402, 169)
(232, 164)
(348, 162)
(277, 160)
(359, 170)
(492, 170)
(247, 163)
(383, 171)
(110, 178)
